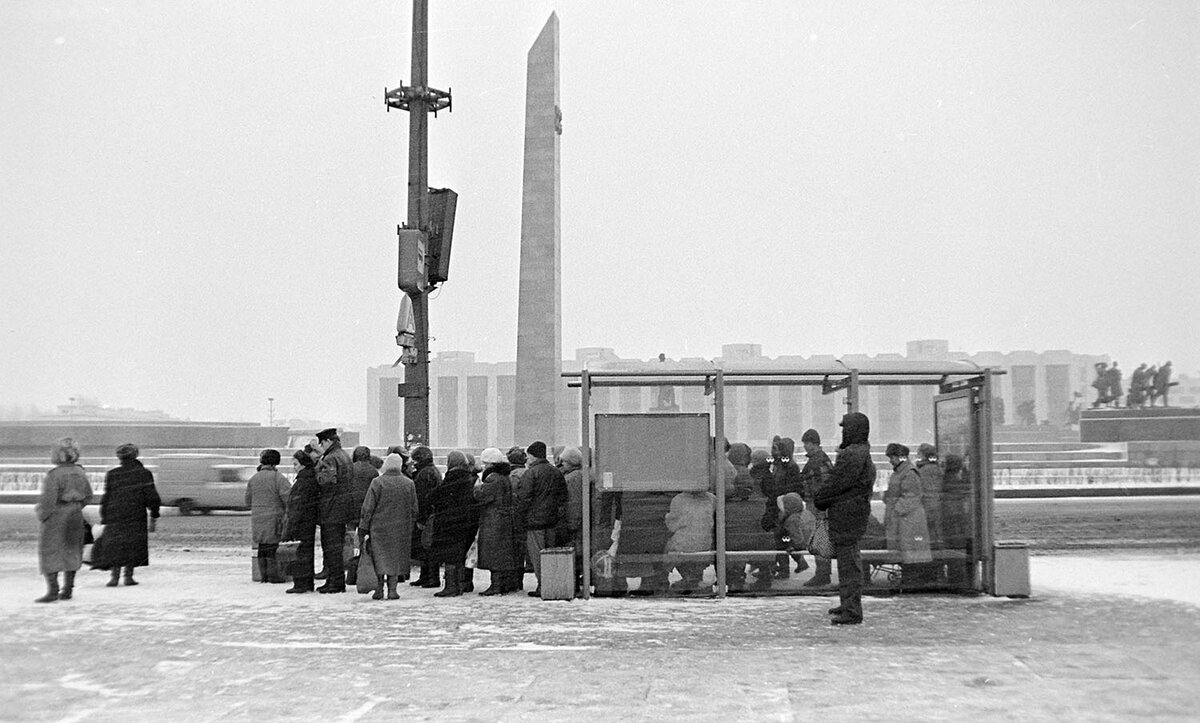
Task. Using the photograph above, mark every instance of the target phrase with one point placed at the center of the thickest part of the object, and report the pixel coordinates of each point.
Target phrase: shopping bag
(819, 544)
(367, 580)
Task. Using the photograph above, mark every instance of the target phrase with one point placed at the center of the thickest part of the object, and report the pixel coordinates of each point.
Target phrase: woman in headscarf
(129, 492)
(266, 496)
(303, 505)
(455, 521)
(499, 548)
(65, 491)
(385, 524)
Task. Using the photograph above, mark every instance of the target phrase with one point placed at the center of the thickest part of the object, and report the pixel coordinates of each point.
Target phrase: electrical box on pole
(442, 202)
(412, 274)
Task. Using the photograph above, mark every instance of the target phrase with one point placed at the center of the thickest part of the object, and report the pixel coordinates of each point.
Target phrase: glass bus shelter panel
(955, 521)
(656, 542)
(653, 516)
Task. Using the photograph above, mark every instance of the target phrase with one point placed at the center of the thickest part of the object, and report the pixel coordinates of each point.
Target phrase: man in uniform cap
(334, 475)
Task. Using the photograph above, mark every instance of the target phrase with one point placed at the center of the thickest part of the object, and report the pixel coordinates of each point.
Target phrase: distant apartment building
(472, 404)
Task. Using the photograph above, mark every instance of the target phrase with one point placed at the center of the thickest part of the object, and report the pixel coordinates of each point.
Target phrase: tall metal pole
(416, 373)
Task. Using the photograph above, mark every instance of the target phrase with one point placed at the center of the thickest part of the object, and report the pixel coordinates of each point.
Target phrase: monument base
(1165, 424)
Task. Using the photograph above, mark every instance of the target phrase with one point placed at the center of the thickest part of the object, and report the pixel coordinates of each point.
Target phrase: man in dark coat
(542, 503)
(302, 513)
(129, 492)
(426, 478)
(335, 474)
(1163, 383)
(817, 471)
(847, 499)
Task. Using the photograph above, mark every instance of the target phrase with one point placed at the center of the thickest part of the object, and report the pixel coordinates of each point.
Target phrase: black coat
(302, 506)
(335, 474)
(455, 517)
(426, 479)
(360, 482)
(129, 492)
(498, 549)
(847, 494)
(543, 501)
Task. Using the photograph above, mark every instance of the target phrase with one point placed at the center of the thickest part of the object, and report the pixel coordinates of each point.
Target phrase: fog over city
(199, 201)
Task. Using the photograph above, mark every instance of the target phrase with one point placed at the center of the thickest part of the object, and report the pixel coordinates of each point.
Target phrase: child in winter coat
(796, 523)
(691, 520)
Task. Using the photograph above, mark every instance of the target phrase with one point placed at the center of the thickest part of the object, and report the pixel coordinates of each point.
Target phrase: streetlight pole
(270, 411)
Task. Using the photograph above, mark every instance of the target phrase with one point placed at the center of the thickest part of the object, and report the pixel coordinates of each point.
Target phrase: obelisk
(539, 302)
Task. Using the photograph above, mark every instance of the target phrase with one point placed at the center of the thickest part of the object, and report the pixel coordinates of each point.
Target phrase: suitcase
(558, 573)
(285, 558)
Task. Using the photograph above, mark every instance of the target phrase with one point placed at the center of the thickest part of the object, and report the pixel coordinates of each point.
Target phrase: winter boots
(51, 589)
(115, 578)
(467, 579)
(453, 586)
(378, 594)
(391, 588)
(68, 585)
(429, 576)
(301, 585)
(129, 576)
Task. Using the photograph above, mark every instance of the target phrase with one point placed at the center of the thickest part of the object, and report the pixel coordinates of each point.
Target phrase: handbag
(820, 544)
(368, 581)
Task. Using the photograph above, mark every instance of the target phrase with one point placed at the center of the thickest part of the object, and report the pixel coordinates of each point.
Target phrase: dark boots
(301, 585)
(467, 579)
(391, 588)
(68, 585)
(129, 576)
(501, 582)
(115, 578)
(429, 576)
(378, 594)
(453, 586)
(51, 589)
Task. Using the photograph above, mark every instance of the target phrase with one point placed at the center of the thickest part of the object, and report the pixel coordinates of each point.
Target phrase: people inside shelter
(904, 516)
(816, 472)
(690, 520)
(785, 478)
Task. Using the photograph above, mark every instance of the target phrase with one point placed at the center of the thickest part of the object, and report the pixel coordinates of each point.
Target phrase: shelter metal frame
(949, 377)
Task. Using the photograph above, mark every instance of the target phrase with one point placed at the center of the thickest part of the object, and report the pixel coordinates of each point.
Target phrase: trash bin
(1010, 569)
(558, 573)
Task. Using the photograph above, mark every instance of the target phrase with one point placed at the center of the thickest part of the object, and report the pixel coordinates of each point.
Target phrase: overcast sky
(198, 200)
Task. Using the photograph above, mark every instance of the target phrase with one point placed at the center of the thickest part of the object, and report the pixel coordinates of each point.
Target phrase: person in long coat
(363, 471)
(303, 505)
(129, 492)
(455, 521)
(385, 524)
(65, 491)
(335, 475)
(266, 496)
(847, 498)
(426, 477)
(904, 514)
(499, 548)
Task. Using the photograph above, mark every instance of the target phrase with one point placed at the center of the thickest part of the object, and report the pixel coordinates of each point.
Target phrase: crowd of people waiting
(499, 513)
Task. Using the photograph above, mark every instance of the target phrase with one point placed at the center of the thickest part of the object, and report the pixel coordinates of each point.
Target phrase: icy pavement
(1104, 638)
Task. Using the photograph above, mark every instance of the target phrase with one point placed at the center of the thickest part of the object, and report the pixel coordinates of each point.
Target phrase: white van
(201, 482)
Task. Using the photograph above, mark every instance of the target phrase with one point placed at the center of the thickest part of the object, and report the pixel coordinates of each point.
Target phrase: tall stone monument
(539, 312)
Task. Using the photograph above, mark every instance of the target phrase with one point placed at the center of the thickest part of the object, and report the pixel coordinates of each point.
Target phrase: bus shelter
(654, 476)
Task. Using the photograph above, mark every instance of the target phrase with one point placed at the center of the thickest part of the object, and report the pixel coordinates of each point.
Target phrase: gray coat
(388, 514)
(65, 491)
(267, 496)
